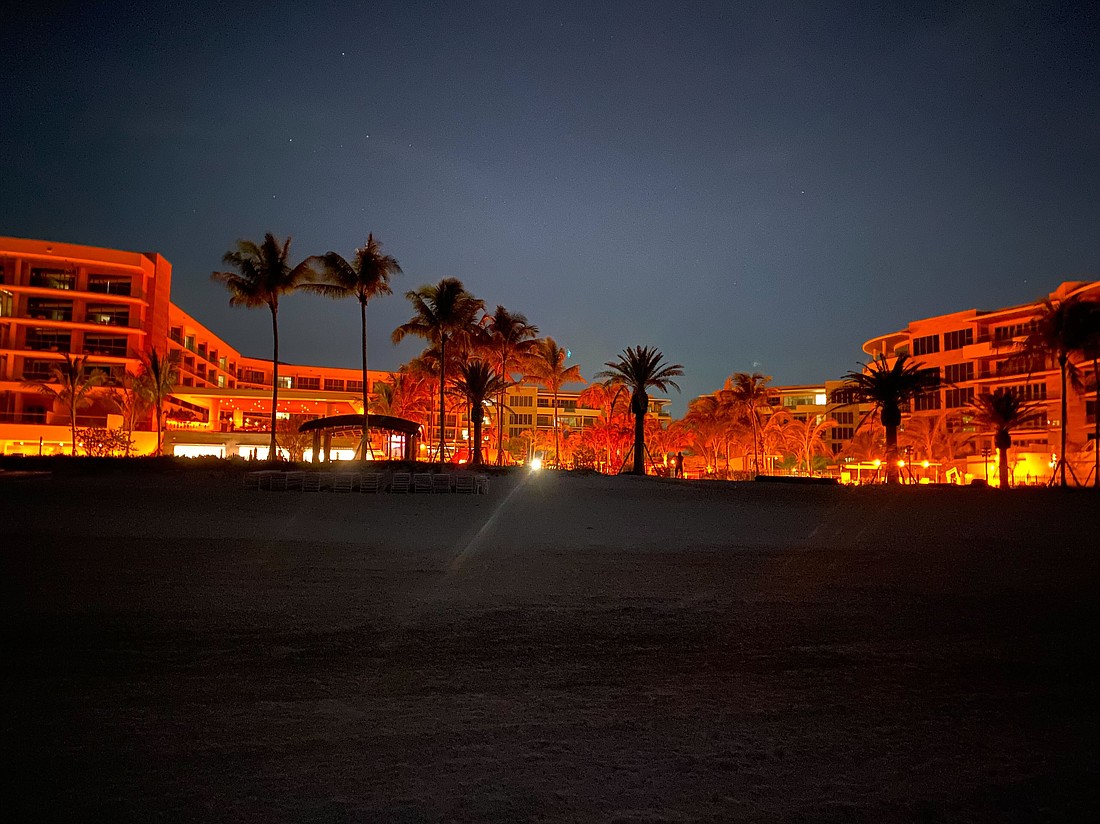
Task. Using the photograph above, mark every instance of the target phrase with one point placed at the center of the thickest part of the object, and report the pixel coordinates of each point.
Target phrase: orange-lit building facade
(110, 306)
(978, 351)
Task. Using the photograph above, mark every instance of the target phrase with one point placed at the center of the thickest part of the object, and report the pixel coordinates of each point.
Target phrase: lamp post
(985, 461)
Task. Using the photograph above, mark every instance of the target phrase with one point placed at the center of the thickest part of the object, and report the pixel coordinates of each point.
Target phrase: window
(108, 314)
(221, 363)
(1029, 391)
(521, 400)
(926, 401)
(109, 284)
(114, 345)
(50, 309)
(523, 420)
(544, 402)
(954, 398)
(544, 420)
(189, 342)
(221, 381)
(309, 383)
(568, 406)
(959, 372)
(49, 340)
(926, 345)
(1004, 334)
(201, 350)
(176, 334)
(844, 397)
(842, 433)
(286, 383)
(333, 385)
(37, 370)
(845, 417)
(53, 279)
(354, 386)
(957, 340)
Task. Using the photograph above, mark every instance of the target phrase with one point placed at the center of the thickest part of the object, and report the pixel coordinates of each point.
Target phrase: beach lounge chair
(370, 482)
(294, 479)
(344, 481)
(465, 483)
(400, 482)
(258, 480)
(441, 482)
(422, 482)
(316, 481)
(278, 482)
(482, 484)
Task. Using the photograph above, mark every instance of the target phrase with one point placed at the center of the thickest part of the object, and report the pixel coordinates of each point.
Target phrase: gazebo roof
(355, 422)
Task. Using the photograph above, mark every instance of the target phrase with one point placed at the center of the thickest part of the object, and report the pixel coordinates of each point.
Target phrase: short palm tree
(440, 313)
(366, 276)
(639, 368)
(70, 384)
(545, 365)
(888, 386)
(477, 382)
(807, 439)
(749, 395)
(263, 275)
(155, 382)
(510, 338)
(1001, 411)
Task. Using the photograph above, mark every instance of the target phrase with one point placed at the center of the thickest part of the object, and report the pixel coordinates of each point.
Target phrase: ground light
(536, 464)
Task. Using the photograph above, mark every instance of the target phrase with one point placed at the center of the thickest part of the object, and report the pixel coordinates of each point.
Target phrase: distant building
(110, 306)
(977, 351)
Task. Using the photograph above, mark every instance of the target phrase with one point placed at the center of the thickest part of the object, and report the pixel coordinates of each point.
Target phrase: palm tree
(638, 369)
(263, 276)
(366, 276)
(546, 366)
(807, 438)
(510, 337)
(440, 313)
(749, 394)
(1062, 329)
(477, 381)
(889, 386)
(70, 384)
(1001, 411)
(155, 382)
(1092, 352)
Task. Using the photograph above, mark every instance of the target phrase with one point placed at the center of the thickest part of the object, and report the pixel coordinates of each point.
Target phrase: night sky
(746, 186)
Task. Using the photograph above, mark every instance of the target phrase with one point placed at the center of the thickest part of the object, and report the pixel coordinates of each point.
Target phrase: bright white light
(536, 463)
(189, 450)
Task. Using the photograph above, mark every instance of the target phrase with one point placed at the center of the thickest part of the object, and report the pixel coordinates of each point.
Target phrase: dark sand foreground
(563, 649)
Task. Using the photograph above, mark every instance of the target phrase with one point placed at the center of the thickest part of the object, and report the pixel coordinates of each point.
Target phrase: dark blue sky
(742, 185)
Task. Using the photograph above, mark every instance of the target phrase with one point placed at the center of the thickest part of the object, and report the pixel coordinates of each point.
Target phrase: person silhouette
(679, 462)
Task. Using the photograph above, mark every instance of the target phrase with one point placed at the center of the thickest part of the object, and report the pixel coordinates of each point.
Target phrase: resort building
(979, 351)
(111, 307)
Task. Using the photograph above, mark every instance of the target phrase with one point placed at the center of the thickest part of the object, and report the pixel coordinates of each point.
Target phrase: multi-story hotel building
(979, 351)
(111, 306)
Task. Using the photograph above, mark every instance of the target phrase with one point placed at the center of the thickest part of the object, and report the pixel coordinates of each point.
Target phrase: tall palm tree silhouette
(263, 275)
(440, 312)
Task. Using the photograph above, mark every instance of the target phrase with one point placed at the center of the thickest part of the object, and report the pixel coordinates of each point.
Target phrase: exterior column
(316, 446)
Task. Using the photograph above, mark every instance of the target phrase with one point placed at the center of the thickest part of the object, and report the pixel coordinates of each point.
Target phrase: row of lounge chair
(275, 480)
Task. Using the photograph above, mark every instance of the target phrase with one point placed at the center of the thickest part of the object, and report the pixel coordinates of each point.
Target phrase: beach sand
(566, 648)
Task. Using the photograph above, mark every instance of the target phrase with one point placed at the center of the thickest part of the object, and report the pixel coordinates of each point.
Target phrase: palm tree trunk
(1062, 361)
(72, 423)
(273, 448)
(500, 407)
(639, 443)
(476, 458)
(158, 417)
(1002, 466)
(1096, 423)
(442, 386)
(892, 474)
(557, 462)
(365, 445)
(755, 443)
